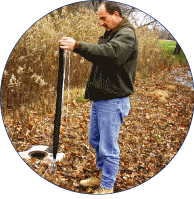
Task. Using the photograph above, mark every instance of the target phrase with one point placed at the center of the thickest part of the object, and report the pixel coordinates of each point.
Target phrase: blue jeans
(106, 117)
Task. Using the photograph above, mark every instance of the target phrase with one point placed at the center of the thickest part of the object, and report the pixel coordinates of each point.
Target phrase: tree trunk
(60, 12)
(177, 49)
(96, 4)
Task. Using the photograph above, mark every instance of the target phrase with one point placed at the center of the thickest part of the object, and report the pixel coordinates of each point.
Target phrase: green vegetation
(169, 47)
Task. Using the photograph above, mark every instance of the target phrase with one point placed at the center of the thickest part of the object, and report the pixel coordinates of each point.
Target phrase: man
(110, 83)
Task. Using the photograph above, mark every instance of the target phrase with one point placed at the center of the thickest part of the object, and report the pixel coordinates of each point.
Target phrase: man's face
(107, 20)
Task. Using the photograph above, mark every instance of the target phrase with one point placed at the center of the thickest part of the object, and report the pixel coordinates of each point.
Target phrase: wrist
(77, 46)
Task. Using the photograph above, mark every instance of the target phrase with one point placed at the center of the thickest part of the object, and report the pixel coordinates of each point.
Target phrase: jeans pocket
(125, 108)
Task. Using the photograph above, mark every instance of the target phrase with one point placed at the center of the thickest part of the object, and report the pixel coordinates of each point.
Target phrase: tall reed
(30, 76)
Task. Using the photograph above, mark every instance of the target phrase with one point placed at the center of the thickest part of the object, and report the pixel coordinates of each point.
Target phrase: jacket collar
(124, 23)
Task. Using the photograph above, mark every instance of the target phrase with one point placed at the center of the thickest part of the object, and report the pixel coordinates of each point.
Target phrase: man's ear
(116, 14)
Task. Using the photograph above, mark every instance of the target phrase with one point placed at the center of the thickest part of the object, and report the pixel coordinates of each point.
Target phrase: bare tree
(75, 6)
(96, 4)
(177, 49)
(127, 10)
(60, 10)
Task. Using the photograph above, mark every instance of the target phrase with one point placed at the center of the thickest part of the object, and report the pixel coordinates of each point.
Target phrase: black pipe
(58, 104)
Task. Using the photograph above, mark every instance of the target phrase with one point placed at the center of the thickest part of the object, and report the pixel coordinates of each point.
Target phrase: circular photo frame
(50, 128)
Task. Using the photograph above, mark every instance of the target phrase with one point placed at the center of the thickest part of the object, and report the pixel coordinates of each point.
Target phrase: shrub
(31, 72)
(150, 51)
(30, 77)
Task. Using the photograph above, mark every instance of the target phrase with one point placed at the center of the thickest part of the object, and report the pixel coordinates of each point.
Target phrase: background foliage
(30, 76)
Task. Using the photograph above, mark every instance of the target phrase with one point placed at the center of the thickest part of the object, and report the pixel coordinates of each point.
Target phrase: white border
(18, 180)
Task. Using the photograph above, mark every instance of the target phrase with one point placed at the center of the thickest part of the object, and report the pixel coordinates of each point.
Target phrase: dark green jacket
(114, 61)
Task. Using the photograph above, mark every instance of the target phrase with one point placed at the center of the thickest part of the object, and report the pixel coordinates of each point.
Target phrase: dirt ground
(151, 135)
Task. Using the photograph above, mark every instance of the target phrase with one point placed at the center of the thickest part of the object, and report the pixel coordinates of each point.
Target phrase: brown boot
(91, 182)
(102, 190)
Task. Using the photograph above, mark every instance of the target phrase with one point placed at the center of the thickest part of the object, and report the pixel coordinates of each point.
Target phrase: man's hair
(111, 7)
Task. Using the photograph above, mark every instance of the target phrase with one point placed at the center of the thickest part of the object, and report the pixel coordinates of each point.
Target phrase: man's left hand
(67, 43)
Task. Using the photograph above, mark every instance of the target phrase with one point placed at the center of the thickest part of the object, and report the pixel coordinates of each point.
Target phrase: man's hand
(67, 43)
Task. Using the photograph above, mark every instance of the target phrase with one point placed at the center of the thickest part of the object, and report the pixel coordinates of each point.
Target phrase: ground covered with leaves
(151, 135)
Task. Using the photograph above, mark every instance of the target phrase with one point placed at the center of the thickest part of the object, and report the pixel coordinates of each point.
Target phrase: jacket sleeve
(115, 51)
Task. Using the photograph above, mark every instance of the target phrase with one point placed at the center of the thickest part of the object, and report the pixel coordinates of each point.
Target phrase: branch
(147, 24)
(132, 10)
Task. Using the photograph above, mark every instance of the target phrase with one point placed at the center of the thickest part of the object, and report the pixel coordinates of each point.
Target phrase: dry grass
(150, 51)
(30, 77)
